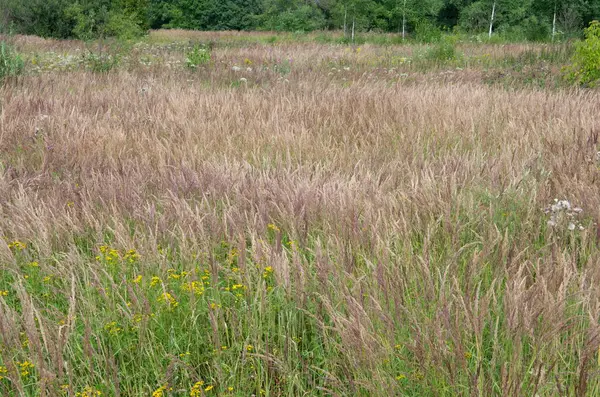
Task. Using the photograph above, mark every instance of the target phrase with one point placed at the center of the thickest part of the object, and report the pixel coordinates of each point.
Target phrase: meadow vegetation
(199, 214)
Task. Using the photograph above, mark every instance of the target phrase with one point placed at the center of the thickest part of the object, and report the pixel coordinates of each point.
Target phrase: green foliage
(302, 18)
(536, 29)
(197, 57)
(427, 32)
(84, 23)
(123, 26)
(585, 69)
(90, 19)
(11, 63)
(101, 63)
(443, 52)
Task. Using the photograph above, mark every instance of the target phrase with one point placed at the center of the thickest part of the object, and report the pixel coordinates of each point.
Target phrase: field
(291, 216)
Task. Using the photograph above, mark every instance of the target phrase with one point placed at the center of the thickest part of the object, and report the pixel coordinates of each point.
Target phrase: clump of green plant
(198, 56)
(101, 63)
(427, 32)
(442, 52)
(585, 67)
(11, 63)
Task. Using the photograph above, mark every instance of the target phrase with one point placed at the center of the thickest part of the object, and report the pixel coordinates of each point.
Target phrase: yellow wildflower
(155, 280)
(25, 368)
(138, 279)
(34, 264)
(196, 390)
(160, 392)
(24, 339)
(3, 292)
(113, 328)
(88, 392)
(168, 299)
(131, 256)
(268, 271)
(273, 227)
(193, 286)
(208, 388)
(3, 372)
(17, 245)
(249, 348)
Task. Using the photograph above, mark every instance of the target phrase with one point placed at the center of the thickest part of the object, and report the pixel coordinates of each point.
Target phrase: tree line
(88, 19)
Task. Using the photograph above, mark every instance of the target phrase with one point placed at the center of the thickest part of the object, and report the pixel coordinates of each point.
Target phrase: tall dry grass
(389, 236)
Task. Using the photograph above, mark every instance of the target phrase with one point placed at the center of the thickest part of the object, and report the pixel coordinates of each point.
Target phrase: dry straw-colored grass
(406, 221)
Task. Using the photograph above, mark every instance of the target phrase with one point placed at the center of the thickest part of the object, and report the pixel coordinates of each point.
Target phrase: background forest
(534, 20)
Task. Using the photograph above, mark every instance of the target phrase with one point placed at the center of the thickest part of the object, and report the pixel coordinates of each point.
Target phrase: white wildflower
(236, 68)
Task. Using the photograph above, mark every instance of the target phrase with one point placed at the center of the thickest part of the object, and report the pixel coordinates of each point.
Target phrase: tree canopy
(85, 19)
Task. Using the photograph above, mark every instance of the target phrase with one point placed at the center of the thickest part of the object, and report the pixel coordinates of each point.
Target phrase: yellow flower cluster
(17, 245)
(88, 392)
(131, 256)
(24, 339)
(168, 299)
(268, 272)
(233, 254)
(194, 287)
(25, 367)
(3, 292)
(173, 275)
(113, 328)
(196, 390)
(155, 280)
(160, 392)
(112, 256)
(3, 372)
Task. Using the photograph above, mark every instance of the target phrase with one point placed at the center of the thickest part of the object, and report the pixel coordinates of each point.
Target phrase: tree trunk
(492, 19)
(554, 23)
(404, 21)
(345, 15)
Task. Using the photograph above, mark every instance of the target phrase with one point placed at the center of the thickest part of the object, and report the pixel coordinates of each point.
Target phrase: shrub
(536, 30)
(101, 63)
(585, 67)
(124, 27)
(11, 63)
(443, 52)
(427, 32)
(197, 57)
